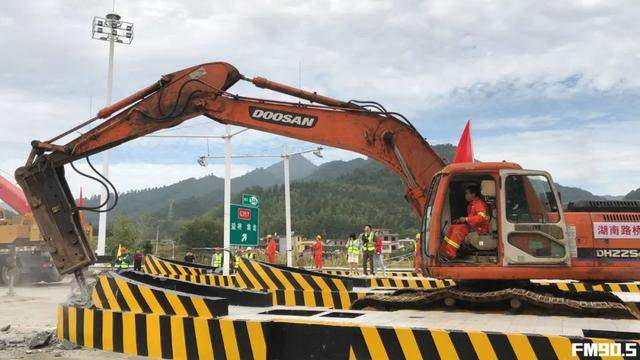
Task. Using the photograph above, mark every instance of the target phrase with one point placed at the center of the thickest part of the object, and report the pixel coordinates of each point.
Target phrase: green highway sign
(245, 225)
(250, 200)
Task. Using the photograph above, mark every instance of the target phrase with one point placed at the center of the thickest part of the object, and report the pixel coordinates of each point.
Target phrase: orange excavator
(530, 235)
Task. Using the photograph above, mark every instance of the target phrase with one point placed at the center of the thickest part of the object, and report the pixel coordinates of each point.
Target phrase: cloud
(518, 68)
(600, 157)
(522, 122)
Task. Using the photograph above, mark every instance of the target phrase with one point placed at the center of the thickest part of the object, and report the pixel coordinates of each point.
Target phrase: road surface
(31, 311)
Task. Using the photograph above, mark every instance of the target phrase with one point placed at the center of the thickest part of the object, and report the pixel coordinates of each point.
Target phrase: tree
(123, 232)
(204, 231)
(147, 247)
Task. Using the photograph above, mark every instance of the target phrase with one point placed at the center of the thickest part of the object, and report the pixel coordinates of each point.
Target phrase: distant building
(389, 240)
(387, 235)
(407, 242)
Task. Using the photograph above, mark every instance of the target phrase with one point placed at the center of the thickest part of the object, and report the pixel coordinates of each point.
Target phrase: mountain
(572, 194)
(299, 167)
(633, 195)
(191, 197)
(337, 206)
(342, 185)
(335, 169)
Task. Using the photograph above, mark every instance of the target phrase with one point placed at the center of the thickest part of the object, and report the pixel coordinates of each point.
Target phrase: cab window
(530, 199)
(431, 198)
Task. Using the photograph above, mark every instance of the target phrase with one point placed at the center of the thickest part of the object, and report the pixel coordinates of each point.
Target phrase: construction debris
(40, 339)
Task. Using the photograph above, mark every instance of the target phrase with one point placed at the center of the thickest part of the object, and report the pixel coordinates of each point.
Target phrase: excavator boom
(363, 127)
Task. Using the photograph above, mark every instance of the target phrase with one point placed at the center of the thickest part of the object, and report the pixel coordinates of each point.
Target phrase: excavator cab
(526, 223)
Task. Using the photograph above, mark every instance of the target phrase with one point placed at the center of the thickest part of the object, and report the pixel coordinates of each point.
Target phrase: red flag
(81, 199)
(464, 153)
(81, 204)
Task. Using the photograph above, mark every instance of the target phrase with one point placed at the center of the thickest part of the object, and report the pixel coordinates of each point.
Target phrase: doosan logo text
(283, 117)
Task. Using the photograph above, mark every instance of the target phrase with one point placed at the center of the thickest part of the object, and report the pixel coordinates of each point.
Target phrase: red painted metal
(13, 196)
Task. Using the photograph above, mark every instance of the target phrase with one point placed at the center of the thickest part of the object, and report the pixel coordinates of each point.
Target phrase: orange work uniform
(417, 259)
(271, 251)
(317, 251)
(477, 220)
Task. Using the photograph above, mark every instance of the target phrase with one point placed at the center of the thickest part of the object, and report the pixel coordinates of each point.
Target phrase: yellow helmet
(418, 236)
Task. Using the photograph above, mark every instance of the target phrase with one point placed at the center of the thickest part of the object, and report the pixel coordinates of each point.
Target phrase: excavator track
(593, 304)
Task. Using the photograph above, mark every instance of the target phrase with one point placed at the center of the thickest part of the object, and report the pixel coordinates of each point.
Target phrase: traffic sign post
(245, 225)
(250, 200)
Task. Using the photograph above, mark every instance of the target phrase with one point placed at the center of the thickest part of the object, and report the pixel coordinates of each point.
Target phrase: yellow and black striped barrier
(423, 283)
(309, 298)
(628, 287)
(211, 280)
(406, 343)
(258, 275)
(234, 295)
(285, 297)
(115, 293)
(183, 337)
(159, 266)
(286, 288)
(407, 273)
(162, 336)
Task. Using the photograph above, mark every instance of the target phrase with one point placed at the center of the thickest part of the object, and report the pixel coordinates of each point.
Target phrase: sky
(550, 85)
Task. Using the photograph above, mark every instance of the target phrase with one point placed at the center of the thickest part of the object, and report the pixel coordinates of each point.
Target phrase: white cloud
(412, 56)
(601, 158)
(521, 122)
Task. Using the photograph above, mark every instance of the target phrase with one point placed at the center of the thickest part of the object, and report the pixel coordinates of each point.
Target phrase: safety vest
(352, 247)
(369, 244)
(123, 262)
(250, 256)
(217, 260)
(237, 262)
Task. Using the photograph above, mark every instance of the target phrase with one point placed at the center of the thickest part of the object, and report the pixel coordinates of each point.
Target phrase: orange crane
(530, 235)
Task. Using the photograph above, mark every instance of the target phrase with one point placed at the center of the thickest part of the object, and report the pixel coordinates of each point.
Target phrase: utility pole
(157, 238)
(227, 201)
(287, 205)
(111, 29)
(202, 161)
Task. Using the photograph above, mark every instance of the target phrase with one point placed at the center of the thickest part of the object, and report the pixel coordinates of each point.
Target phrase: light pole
(111, 29)
(227, 192)
(287, 204)
(202, 160)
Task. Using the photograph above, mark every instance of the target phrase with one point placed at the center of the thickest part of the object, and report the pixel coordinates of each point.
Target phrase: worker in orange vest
(317, 252)
(477, 220)
(417, 258)
(271, 249)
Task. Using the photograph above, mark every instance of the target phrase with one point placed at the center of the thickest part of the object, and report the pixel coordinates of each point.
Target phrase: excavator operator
(477, 220)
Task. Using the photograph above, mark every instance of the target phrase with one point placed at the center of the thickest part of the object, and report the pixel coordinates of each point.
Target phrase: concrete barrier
(112, 292)
(162, 336)
(183, 337)
(624, 287)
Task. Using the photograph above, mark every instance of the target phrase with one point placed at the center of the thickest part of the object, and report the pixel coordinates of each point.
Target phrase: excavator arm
(363, 127)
